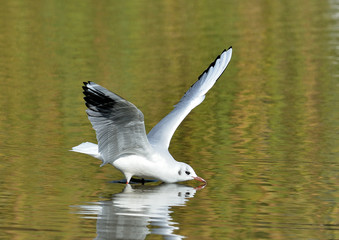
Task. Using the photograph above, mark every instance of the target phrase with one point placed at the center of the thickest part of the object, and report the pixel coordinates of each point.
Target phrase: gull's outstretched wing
(119, 125)
(160, 136)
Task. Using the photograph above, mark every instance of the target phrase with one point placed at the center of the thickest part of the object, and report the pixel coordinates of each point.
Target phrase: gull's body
(121, 135)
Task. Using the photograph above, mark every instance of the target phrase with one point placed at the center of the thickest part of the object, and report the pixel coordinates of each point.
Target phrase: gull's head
(186, 172)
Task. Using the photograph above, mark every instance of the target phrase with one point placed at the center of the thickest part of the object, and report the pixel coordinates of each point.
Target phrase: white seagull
(121, 134)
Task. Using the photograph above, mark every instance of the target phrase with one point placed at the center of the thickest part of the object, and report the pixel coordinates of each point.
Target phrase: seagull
(121, 135)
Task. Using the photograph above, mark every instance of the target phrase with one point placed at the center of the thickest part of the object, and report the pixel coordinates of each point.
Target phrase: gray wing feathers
(119, 125)
(162, 133)
(207, 79)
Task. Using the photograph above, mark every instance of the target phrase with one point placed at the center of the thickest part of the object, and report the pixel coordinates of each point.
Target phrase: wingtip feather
(214, 62)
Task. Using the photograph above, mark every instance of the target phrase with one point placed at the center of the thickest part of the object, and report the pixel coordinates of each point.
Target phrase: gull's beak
(200, 179)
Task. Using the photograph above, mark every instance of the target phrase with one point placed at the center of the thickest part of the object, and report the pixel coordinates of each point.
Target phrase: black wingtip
(86, 83)
(225, 50)
(85, 87)
(212, 64)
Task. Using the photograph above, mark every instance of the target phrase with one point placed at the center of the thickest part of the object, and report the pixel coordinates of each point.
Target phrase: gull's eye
(187, 172)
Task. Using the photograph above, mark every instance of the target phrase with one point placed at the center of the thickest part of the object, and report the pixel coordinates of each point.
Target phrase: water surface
(265, 138)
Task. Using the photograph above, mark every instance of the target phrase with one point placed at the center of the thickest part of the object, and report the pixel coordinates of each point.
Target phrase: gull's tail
(88, 148)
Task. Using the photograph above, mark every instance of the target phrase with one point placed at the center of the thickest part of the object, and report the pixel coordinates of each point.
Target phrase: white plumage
(121, 135)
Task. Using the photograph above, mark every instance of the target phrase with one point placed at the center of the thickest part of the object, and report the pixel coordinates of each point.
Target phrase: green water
(265, 138)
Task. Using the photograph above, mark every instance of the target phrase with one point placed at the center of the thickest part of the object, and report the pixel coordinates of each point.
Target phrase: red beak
(200, 179)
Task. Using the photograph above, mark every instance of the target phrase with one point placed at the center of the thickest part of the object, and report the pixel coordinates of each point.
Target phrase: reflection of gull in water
(139, 211)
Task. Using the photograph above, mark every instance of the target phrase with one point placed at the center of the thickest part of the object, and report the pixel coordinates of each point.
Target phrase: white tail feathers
(88, 148)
